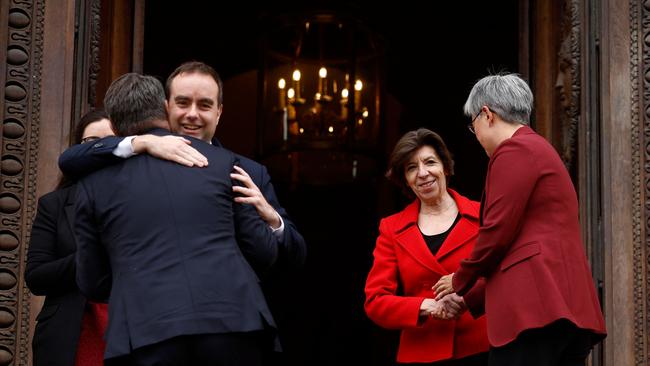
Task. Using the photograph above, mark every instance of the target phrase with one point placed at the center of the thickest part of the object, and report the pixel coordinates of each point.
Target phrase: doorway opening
(434, 54)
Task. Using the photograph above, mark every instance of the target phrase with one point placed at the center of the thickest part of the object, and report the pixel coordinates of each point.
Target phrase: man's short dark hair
(198, 67)
(406, 147)
(134, 102)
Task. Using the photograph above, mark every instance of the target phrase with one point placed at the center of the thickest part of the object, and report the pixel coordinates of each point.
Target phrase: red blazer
(402, 259)
(529, 247)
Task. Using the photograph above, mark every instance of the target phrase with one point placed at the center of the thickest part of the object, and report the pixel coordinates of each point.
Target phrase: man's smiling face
(193, 106)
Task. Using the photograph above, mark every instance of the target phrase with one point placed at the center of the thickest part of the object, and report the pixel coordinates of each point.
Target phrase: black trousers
(227, 349)
(558, 344)
(480, 359)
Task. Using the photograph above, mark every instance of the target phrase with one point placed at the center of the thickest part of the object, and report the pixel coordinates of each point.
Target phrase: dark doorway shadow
(435, 52)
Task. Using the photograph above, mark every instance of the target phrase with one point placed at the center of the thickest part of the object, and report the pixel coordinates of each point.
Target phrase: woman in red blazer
(417, 246)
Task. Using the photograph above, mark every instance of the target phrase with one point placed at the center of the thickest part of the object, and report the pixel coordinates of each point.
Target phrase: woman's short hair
(406, 147)
(507, 95)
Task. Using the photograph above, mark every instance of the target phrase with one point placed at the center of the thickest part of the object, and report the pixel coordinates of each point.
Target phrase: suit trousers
(226, 349)
(480, 359)
(560, 343)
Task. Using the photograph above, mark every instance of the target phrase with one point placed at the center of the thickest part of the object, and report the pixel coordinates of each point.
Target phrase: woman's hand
(454, 304)
(444, 286)
(439, 310)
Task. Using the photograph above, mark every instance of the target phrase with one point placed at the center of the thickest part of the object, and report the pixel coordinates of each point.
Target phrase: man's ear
(167, 106)
(219, 111)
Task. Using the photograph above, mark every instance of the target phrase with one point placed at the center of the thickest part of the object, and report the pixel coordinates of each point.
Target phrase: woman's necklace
(438, 212)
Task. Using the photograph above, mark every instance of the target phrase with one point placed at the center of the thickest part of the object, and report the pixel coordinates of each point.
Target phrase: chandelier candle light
(322, 122)
(289, 101)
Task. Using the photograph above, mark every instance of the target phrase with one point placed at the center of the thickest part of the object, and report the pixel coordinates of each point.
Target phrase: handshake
(449, 307)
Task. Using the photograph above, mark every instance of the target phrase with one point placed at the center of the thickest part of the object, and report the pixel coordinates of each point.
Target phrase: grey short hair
(134, 102)
(508, 95)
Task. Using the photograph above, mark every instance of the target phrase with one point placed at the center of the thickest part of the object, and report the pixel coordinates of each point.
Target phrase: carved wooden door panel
(21, 37)
(59, 56)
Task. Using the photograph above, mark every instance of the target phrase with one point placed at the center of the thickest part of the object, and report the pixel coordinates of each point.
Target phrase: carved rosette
(20, 122)
(640, 79)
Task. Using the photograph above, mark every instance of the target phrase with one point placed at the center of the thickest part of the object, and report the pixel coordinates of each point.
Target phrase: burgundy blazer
(529, 247)
(403, 260)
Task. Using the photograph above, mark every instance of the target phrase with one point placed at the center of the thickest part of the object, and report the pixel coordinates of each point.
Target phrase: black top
(50, 271)
(434, 242)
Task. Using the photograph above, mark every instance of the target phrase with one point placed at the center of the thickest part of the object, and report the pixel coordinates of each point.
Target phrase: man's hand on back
(172, 148)
(251, 194)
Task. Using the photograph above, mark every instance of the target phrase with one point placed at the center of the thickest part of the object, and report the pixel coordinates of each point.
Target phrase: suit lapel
(465, 229)
(408, 236)
(463, 232)
(412, 241)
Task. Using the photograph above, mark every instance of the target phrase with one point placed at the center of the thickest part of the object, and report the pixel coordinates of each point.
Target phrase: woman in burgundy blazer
(540, 299)
(415, 248)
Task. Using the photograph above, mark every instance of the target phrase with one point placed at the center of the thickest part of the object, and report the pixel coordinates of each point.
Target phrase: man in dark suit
(194, 105)
(159, 238)
(540, 300)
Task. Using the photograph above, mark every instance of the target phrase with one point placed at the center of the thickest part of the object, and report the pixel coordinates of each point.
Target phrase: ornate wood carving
(20, 132)
(568, 83)
(641, 142)
(93, 72)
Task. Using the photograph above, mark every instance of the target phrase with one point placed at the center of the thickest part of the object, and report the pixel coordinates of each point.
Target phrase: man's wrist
(277, 227)
(139, 144)
(125, 148)
(276, 222)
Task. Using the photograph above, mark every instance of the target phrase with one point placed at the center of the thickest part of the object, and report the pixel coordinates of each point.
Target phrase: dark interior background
(435, 51)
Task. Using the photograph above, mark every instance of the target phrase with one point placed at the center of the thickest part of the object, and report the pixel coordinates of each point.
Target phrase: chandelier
(319, 114)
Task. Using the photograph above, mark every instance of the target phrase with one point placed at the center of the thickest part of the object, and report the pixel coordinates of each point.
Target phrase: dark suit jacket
(159, 237)
(529, 245)
(81, 160)
(403, 260)
(292, 250)
(50, 272)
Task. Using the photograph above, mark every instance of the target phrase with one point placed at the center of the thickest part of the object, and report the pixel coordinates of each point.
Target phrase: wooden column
(598, 120)
(621, 182)
(545, 29)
